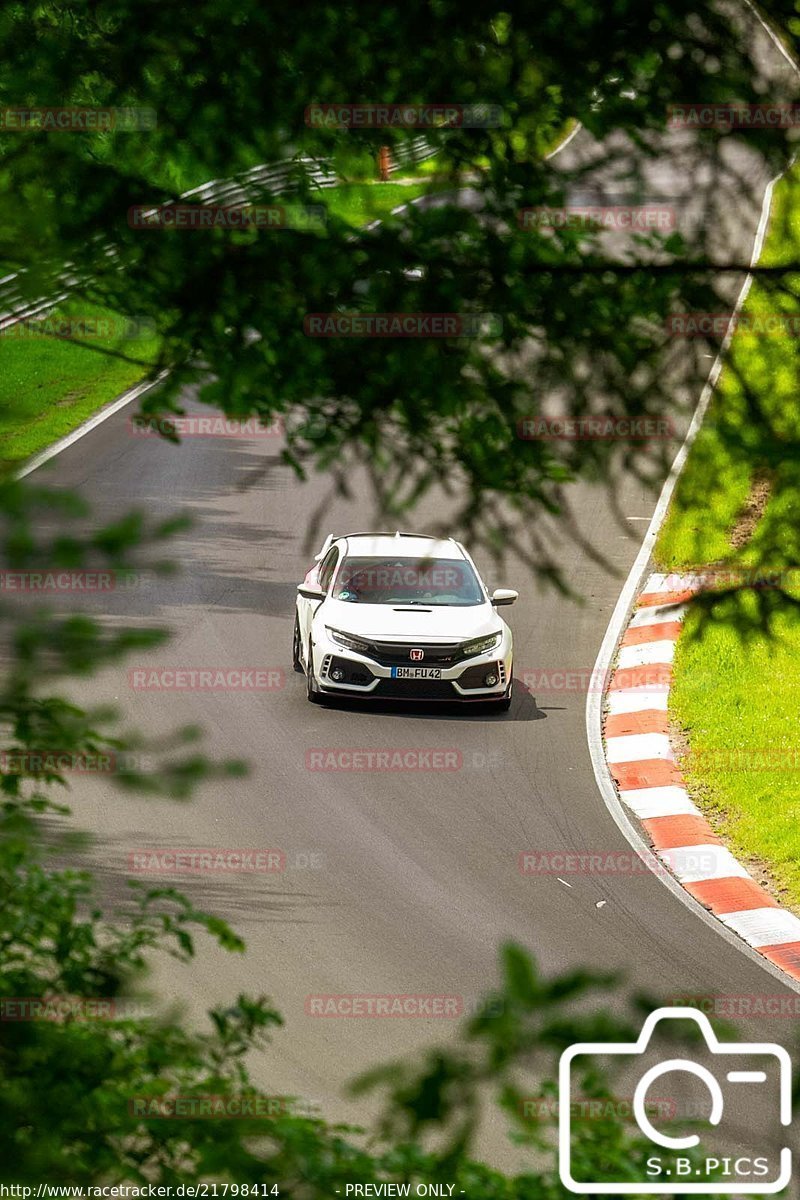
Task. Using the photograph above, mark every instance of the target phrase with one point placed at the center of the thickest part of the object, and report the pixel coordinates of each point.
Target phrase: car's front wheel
(312, 692)
(297, 646)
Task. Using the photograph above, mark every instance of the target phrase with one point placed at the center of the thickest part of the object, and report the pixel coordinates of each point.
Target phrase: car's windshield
(430, 581)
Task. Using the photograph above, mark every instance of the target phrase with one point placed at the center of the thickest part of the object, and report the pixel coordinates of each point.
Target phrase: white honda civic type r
(401, 617)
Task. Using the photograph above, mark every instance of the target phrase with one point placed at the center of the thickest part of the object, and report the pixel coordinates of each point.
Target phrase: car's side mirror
(504, 596)
(311, 591)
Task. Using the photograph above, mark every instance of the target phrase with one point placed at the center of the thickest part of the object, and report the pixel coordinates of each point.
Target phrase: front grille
(396, 654)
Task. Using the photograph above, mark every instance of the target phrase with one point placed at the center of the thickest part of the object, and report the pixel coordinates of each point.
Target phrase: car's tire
(297, 658)
(313, 694)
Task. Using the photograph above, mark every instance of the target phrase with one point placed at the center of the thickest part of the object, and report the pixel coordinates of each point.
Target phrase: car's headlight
(482, 645)
(347, 640)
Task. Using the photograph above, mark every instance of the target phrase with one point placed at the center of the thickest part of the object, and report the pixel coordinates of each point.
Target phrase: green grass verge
(49, 384)
(737, 697)
(360, 203)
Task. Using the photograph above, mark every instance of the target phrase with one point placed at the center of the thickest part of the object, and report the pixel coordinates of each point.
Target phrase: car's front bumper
(345, 673)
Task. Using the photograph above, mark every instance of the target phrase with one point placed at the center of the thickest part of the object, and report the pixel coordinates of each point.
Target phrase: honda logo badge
(416, 655)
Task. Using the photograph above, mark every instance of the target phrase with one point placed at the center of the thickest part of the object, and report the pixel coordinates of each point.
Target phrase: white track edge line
(563, 145)
(38, 460)
(773, 35)
(594, 701)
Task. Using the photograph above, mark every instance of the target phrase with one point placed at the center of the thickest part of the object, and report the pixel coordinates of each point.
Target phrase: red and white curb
(642, 763)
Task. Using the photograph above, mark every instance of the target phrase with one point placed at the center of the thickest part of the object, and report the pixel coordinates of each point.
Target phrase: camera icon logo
(672, 1172)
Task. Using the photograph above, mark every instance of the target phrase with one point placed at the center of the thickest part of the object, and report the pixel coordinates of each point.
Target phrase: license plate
(416, 672)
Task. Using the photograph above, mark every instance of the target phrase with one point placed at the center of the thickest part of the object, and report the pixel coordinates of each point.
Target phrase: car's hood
(385, 622)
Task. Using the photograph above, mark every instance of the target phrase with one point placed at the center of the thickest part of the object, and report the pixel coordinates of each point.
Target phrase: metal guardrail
(409, 154)
(278, 178)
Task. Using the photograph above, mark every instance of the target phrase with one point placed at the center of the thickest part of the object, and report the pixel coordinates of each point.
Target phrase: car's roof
(400, 545)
